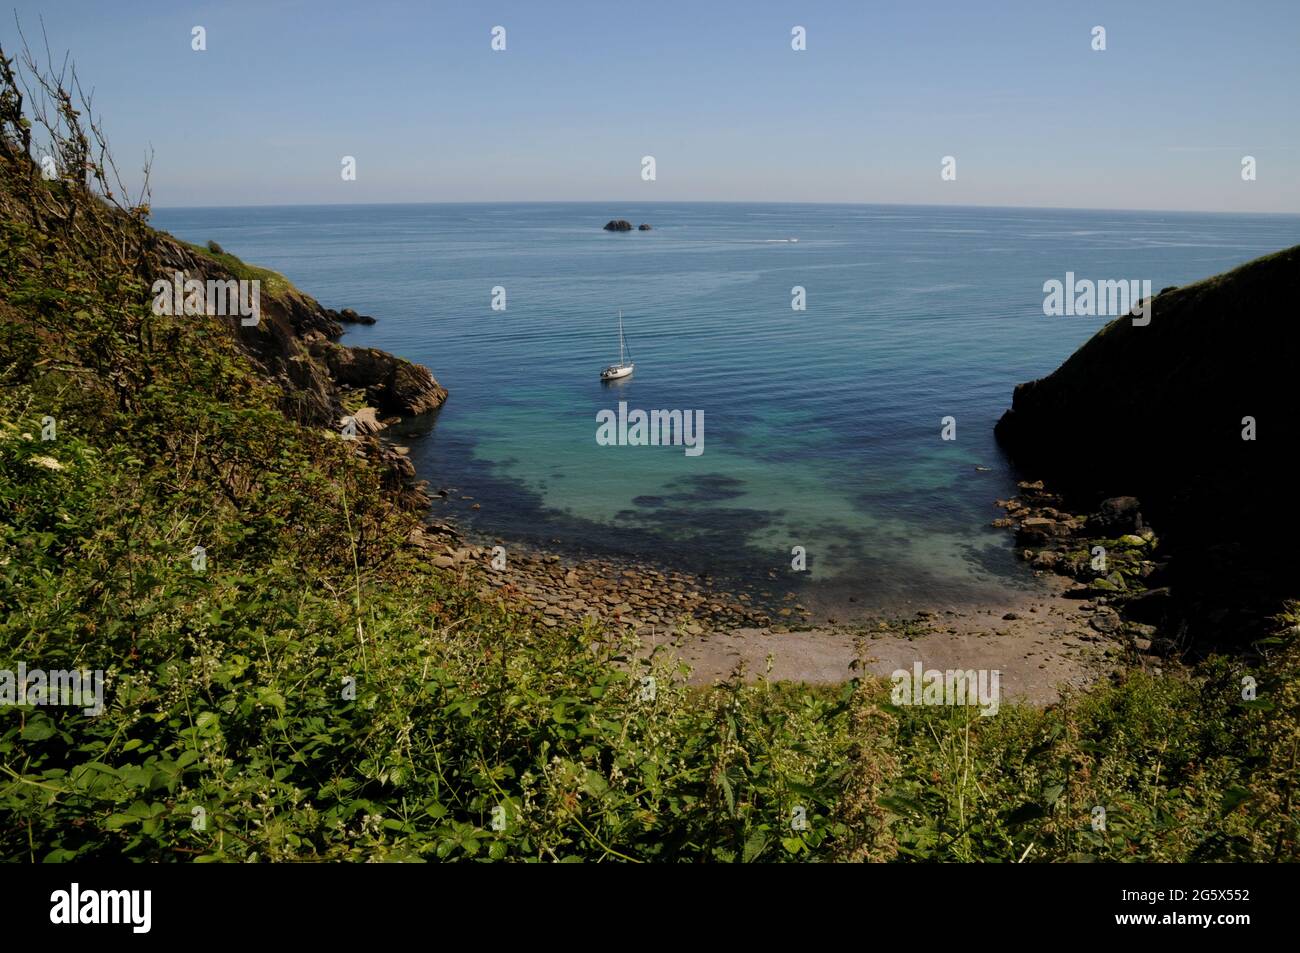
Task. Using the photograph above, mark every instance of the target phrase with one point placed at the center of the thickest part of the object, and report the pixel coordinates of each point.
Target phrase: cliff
(60, 231)
(1193, 415)
(296, 344)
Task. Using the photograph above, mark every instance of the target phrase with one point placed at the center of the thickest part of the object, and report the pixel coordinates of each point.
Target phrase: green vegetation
(273, 283)
(319, 692)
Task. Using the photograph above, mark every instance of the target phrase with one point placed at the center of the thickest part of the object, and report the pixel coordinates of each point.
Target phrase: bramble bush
(228, 691)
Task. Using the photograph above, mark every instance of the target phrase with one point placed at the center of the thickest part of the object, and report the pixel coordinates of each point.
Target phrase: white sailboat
(624, 367)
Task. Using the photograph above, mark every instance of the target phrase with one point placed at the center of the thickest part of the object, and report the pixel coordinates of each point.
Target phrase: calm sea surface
(821, 427)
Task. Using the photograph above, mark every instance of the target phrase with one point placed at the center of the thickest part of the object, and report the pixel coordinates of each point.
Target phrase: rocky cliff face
(392, 385)
(1195, 415)
(295, 343)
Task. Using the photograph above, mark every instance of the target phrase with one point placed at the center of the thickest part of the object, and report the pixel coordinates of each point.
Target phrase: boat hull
(617, 371)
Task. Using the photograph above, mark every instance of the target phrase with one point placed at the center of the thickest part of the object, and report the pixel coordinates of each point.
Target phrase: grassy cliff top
(273, 283)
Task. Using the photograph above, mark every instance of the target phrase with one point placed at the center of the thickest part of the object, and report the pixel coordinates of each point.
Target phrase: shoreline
(1042, 638)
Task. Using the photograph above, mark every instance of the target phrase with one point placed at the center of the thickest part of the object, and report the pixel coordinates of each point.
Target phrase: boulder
(1046, 560)
(366, 420)
(392, 384)
(1105, 620)
(618, 225)
(349, 316)
(1038, 530)
(1117, 516)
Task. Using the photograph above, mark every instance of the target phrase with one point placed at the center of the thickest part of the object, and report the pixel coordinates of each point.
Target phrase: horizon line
(634, 202)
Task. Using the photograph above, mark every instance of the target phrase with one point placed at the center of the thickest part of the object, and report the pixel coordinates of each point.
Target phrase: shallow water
(822, 427)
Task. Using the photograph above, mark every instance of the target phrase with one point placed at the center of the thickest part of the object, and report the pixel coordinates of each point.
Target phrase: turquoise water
(822, 427)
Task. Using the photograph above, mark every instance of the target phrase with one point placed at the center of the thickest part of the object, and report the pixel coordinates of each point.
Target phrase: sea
(830, 349)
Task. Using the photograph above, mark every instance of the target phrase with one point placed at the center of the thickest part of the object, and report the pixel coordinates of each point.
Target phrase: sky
(1013, 91)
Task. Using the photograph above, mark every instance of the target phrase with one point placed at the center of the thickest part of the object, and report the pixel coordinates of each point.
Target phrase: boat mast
(620, 336)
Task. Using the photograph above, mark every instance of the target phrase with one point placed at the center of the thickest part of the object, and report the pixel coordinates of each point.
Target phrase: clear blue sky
(712, 90)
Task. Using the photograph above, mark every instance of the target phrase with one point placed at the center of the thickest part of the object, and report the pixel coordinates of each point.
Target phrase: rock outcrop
(349, 316)
(392, 384)
(618, 225)
(295, 342)
(1193, 415)
(295, 345)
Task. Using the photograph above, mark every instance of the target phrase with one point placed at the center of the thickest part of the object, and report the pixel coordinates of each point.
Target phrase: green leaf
(1233, 797)
(38, 728)
(901, 805)
(269, 696)
(728, 793)
(754, 847)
